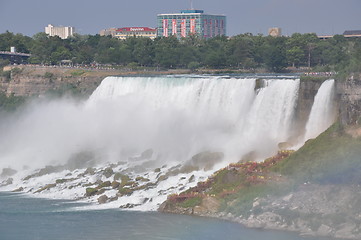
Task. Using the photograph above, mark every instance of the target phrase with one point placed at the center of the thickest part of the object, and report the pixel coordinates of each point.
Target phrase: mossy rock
(157, 170)
(125, 191)
(48, 186)
(91, 191)
(120, 176)
(115, 184)
(142, 179)
(104, 184)
(108, 172)
(162, 178)
(63, 180)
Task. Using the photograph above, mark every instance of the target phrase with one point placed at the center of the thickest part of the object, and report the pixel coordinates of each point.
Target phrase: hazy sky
(256, 16)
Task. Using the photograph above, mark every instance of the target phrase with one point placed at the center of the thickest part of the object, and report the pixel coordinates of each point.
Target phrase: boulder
(103, 199)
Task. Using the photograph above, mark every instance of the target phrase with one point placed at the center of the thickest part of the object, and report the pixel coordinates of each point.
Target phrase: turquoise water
(40, 219)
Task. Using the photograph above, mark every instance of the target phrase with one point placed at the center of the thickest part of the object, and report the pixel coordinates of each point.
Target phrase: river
(22, 217)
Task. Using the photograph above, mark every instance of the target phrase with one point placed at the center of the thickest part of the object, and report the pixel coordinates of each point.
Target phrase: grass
(333, 157)
(191, 202)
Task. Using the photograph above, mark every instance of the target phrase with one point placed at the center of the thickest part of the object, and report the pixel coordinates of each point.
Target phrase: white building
(62, 32)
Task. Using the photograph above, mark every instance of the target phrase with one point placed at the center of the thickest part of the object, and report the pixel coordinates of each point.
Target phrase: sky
(322, 17)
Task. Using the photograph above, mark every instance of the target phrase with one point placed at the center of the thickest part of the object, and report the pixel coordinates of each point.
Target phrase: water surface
(27, 218)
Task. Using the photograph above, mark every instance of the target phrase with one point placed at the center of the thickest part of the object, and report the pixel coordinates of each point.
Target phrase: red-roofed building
(124, 33)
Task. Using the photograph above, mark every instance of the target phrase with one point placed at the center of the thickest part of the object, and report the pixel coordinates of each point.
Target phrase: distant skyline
(323, 17)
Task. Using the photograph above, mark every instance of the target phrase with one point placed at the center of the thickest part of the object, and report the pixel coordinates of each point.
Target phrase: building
(125, 32)
(346, 34)
(62, 32)
(191, 22)
(108, 32)
(352, 33)
(275, 32)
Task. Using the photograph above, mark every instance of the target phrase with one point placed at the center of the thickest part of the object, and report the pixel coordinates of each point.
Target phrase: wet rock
(7, 182)
(142, 179)
(104, 184)
(47, 187)
(91, 191)
(191, 179)
(64, 180)
(129, 205)
(208, 205)
(103, 199)
(115, 184)
(162, 178)
(108, 172)
(20, 189)
(90, 171)
(122, 191)
(7, 172)
(112, 199)
(44, 171)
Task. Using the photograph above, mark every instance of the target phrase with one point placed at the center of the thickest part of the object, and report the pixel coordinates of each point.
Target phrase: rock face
(307, 92)
(349, 98)
(36, 81)
(322, 210)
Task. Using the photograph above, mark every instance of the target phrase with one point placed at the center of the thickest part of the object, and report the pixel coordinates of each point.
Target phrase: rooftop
(352, 32)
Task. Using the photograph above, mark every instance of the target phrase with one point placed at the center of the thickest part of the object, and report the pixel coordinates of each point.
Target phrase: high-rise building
(191, 22)
(62, 32)
(275, 32)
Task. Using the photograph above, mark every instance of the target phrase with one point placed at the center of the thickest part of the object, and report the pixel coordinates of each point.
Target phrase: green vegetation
(333, 157)
(241, 52)
(10, 103)
(77, 72)
(191, 202)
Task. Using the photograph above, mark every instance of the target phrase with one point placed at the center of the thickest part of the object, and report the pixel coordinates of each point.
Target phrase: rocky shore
(312, 210)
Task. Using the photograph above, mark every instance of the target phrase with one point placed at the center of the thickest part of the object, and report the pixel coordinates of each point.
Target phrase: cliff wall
(348, 94)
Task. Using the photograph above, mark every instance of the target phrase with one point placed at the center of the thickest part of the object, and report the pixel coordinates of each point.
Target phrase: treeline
(244, 51)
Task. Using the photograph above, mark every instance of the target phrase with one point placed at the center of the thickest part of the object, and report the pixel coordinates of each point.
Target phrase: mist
(176, 117)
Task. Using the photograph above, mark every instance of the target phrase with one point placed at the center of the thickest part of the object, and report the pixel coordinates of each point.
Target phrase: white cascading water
(216, 114)
(176, 117)
(322, 113)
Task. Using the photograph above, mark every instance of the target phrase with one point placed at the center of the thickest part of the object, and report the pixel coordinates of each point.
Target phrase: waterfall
(322, 113)
(135, 125)
(190, 115)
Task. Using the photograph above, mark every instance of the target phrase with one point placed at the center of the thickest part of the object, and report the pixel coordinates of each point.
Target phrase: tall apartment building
(191, 22)
(62, 32)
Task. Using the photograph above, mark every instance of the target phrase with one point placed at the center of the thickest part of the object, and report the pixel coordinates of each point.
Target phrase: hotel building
(126, 32)
(62, 32)
(191, 22)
